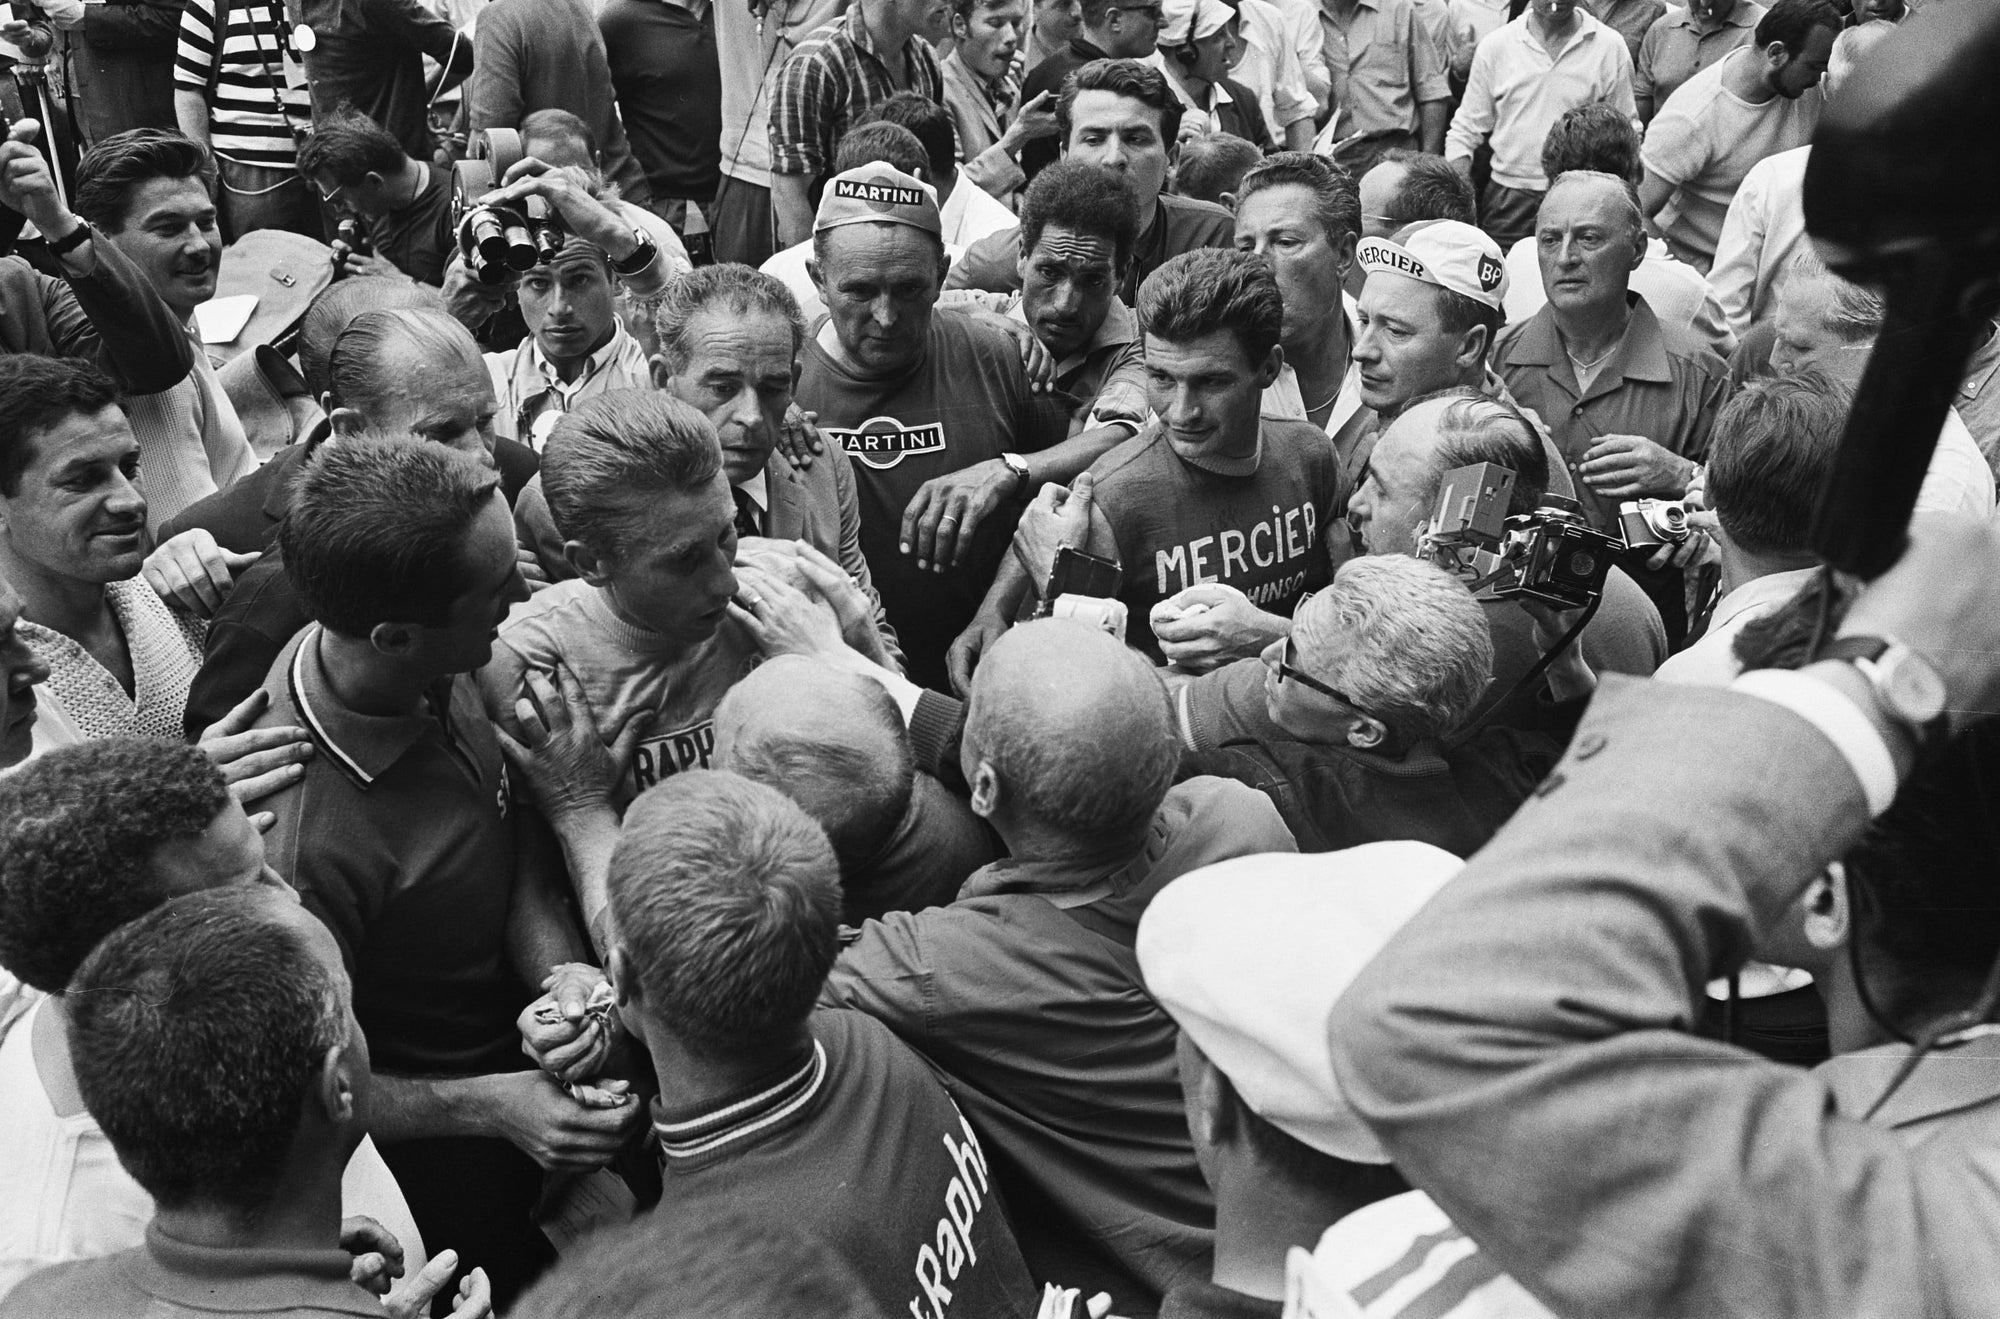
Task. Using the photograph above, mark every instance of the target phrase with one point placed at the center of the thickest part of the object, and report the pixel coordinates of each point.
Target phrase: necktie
(748, 522)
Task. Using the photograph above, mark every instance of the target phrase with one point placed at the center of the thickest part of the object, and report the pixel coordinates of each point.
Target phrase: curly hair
(78, 829)
(1404, 638)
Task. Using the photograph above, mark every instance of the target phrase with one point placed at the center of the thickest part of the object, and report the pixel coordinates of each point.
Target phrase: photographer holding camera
(1628, 399)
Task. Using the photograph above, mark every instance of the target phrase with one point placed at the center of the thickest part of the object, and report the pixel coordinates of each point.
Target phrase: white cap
(1448, 253)
(1249, 956)
(1401, 1256)
(1182, 21)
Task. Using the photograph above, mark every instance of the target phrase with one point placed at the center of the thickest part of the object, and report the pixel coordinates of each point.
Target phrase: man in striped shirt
(243, 93)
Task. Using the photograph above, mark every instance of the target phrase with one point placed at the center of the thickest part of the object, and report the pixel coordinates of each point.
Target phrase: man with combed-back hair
(69, 875)
(1218, 516)
(725, 914)
(1360, 705)
(214, 1041)
(639, 1270)
(1024, 991)
(403, 836)
(835, 743)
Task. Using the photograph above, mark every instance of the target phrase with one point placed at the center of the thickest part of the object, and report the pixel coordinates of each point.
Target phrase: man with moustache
(983, 93)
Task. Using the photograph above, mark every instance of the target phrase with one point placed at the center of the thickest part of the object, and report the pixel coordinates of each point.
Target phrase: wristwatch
(640, 256)
(1908, 687)
(70, 241)
(1019, 467)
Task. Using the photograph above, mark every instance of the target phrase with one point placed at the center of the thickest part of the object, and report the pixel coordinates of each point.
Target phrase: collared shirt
(1226, 107)
(1711, 661)
(1678, 46)
(1705, 140)
(1979, 399)
(980, 112)
(858, 1138)
(1383, 64)
(533, 395)
(1103, 382)
(398, 837)
(171, 1279)
(1763, 227)
(1348, 425)
(971, 213)
(833, 79)
(1271, 68)
(1516, 92)
(1657, 383)
(1180, 224)
(81, 695)
(1630, 19)
(1469, 22)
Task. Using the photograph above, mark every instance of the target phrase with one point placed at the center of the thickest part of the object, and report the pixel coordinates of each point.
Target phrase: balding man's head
(831, 740)
(1068, 733)
(1433, 436)
(412, 372)
(342, 302)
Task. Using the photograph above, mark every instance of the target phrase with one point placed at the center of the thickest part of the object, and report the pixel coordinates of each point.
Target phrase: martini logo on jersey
(660, 757)
(882, 442)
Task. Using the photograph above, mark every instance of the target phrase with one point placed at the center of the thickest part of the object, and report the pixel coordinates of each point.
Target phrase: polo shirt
(668, 80)
(1711, 661)
(170, 1279)
(1516, 91)
(398, 836)
(1764, 225)
(834, 78)
(1677, 46)
(533, 397)
(1658, 383)
(1180, 224)
(1630, 19)
(1259, 524)
(1704, 141)
(1383, 65)
(417, 238)
(1026, 995)
(1978, 401)
(1101, 383)
(1675, 291)
(963, 401)
(628, 672)
(859, 1142)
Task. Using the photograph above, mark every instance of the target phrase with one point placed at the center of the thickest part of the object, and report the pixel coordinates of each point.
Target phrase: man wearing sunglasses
(1348, 724)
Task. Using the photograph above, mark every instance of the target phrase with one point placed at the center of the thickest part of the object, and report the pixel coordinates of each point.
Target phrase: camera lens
(1582, 564)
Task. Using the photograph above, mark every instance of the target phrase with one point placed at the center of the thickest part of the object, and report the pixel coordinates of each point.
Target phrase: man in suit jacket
(1521, 1046)
(729, 337)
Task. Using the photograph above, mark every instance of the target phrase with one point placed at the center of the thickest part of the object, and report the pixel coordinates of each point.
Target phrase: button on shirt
(1677, 47)
(1383, 64)
(1516, 92)
(534, 397)
(1657, 383)
(1630, 19)
(833, 79)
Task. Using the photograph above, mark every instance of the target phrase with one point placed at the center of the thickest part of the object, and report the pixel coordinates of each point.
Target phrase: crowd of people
(948, 704)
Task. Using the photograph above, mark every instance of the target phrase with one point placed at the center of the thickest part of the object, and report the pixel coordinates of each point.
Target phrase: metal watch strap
(640, 257)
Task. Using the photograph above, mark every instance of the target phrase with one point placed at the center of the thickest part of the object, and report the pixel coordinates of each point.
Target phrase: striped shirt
(258, 73)
(834, 78)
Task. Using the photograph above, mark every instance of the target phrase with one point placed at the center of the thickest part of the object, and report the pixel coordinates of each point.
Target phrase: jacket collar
(1640, 356)
(1955, 1080)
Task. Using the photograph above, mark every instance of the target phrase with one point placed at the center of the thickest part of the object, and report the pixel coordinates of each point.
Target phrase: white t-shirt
(1705, 139)
(627, 672)
(65, 1196)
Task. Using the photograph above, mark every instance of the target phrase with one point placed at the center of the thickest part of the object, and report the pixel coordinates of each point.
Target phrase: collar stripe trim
(745, 1118)
(306, 712)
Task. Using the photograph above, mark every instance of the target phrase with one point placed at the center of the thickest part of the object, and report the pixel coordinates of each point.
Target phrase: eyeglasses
(1288, 670)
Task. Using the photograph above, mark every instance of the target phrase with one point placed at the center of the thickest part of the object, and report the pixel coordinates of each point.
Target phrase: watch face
(1912, 687)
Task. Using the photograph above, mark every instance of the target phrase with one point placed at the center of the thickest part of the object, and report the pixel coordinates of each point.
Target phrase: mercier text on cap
(878, 193)
(1448, 253)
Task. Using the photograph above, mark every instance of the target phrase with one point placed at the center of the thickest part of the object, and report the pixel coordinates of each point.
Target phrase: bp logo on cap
(1489, 272)
(878, 194)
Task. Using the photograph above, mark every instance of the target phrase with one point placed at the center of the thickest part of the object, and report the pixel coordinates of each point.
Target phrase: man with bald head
(834, 742)
(1628, 399)
(1024, 991)
(401, 372)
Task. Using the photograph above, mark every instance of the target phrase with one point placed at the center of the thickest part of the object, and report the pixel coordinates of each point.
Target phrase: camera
(1650, 523)
(1552, 554)
(499, 242)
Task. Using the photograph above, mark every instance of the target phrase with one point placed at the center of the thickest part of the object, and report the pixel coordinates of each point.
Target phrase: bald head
(342, 302)
(831, 740)
(1074, 728)
(413, 373)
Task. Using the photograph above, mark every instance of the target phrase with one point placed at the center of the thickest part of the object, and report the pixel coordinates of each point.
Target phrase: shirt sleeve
(801, 107)
(1642, 70)
(1121, 394)
(1473, 123)
(1620, 91)
(1739, 252)
(1675, 149)
(1429, 79)
(493, 92)
(195, 51)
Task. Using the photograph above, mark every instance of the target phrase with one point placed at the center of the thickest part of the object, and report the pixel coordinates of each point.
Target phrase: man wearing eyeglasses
(1348, 723)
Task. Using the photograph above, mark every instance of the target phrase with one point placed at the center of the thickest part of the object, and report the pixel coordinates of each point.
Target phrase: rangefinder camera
(1650, 523)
